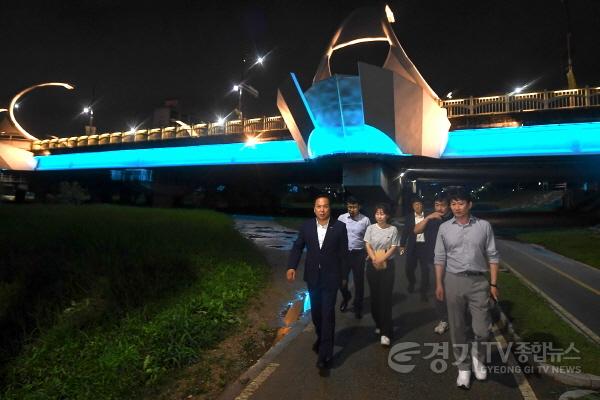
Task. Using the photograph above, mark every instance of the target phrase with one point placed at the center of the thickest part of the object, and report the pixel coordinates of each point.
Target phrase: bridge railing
(250, 126)
(472, 106)
(523, 102)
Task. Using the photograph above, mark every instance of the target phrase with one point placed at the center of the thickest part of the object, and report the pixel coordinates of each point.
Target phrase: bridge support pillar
(371, 182)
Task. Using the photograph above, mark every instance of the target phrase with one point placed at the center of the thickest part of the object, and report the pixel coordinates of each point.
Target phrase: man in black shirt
(430, 226)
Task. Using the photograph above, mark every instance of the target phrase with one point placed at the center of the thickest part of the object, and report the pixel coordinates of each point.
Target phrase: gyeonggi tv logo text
(401, 355)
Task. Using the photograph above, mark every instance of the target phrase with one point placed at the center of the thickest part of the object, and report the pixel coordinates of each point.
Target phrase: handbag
(383, 265)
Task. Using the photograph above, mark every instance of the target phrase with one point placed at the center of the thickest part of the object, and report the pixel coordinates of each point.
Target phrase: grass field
(578, 244)
(100, 301)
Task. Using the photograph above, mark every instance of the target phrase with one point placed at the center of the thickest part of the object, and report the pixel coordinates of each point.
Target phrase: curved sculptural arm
(11, 108)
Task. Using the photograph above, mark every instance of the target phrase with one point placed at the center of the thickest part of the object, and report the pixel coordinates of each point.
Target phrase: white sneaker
(464, 379)
(479, 369)
(385, 341)
(377, 331)
(441, 327)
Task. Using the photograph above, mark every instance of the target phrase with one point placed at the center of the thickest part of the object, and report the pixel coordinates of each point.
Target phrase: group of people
(458, 247)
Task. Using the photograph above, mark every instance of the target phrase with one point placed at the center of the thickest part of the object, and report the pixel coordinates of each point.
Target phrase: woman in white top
(382, 243)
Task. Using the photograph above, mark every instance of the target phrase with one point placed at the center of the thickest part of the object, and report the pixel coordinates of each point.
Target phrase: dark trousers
(418, 256)
(381, 286)
(356, 264)
(322, 309)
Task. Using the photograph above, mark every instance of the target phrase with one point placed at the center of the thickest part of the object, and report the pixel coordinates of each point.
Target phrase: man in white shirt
(356, 225)
(326, 243)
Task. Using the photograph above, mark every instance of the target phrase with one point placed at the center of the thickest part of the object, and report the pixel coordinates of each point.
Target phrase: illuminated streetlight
(449, 95)
(251, 141)
(243, 86)
(17, 106)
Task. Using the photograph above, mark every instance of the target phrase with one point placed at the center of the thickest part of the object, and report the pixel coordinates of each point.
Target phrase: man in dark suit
(416, 250)
(326, 241)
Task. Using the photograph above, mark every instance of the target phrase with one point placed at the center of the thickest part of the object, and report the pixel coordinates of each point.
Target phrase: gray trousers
(467, 294)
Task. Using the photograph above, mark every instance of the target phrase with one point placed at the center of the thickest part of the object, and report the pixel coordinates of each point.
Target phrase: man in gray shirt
(356, 225)
(465, 250)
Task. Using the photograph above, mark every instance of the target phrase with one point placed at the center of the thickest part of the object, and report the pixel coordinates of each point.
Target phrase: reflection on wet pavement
(264, 231)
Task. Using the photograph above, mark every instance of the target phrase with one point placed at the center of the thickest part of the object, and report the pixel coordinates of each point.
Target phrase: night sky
(134, 55)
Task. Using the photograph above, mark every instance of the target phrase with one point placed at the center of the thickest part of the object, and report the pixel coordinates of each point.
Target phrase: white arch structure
(11, 107)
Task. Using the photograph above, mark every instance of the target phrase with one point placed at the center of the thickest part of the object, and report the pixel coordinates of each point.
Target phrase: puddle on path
(268, 233)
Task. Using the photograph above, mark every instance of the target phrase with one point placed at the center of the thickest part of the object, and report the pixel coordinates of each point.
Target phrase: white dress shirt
(420, 236)
(321, 232)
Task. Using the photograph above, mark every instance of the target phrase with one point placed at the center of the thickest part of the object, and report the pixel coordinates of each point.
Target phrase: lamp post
(572, 84)
(243, 86)
(90, 129)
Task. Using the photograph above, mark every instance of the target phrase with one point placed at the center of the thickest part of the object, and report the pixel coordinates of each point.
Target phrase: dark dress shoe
(324, 364)
(315, 346)
(344, 305)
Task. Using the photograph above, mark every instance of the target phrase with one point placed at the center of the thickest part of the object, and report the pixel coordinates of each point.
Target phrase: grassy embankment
(533, 317)
(102, 301)
(578, 244)
(535, 321)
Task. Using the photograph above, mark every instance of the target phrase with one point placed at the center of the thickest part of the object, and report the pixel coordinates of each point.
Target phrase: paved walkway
(361, 369)
(573, 285)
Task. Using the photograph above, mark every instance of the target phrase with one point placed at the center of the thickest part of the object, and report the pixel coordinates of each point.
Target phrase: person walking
(356, 225)
(382, 242)
(326, 242)
(415, 247)
(465, 251)
(430, 226)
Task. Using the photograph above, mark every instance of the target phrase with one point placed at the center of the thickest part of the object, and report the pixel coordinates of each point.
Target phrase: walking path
(361, 369)
(573, 287)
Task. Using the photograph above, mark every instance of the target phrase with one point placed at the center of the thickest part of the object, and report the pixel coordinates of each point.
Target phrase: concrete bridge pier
(373, 182)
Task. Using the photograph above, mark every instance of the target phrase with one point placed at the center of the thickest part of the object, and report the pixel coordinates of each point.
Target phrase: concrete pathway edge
(583, 380)
(236, 387)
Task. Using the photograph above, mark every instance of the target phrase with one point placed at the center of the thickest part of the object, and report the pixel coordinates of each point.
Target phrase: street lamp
(243, 86)
(90, 129)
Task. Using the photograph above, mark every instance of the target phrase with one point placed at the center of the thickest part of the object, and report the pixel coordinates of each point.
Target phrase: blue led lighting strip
(536, 140)
(284, 151)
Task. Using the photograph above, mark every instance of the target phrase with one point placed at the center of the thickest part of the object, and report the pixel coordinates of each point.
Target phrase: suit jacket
(331, 257)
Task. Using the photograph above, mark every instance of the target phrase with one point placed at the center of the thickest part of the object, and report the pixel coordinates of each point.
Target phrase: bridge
(505, 109)
(368, 128)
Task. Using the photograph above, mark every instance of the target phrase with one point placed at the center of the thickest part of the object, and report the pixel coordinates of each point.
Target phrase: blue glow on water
(284, 151)
(536, 140)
